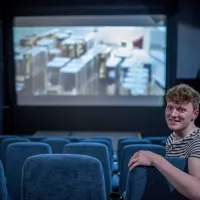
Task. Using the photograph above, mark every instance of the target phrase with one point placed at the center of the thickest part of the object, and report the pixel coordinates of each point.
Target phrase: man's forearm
(184, 183)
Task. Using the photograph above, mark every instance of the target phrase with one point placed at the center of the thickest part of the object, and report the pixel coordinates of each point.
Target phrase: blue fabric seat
(128, 142)
(124, 138)
(146, 183)
(62, 177)
(16, 155)
(4, 144)
(3, 137)
(74, 138)
(3, 190)
(96, 150)
(164, 142)
(127, 153)
(110, 142)
(107, 143)
(113, 165)
(120, 140)
(57, 144)
(7, 136)
(113, 158)
(156, 140)
(105, 138)
(35, 138)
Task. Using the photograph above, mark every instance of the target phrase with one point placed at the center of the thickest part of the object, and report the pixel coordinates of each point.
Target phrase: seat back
(3, 190)
(16, 155)
(129, 142)
(148, 183)
(128, 152)
(3, 137)
(61, 177)
(98, 151)
(163, 142)
(57, 144)
(74, 138)
(103, 141)
(124, 138)
(156, 140)
(105, 138)
(4, 144)
(35, 138)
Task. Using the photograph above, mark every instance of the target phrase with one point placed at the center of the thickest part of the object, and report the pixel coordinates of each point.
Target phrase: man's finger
(133, 166)
(132, 161)
(134, 156)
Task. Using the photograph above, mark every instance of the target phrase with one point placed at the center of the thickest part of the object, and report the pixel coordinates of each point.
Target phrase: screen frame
(9, 78)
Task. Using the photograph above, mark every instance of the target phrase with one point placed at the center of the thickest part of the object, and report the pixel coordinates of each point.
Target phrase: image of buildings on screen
(90, 60)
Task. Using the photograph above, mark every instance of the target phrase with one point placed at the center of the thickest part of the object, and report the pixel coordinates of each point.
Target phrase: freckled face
(180, 116)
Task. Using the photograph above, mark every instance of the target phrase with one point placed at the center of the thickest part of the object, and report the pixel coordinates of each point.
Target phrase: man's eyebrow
(182, 106)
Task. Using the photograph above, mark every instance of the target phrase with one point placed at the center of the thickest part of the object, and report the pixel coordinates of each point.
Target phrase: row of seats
(58, 143)
(61, 177)
(19, 149)
(18, 152)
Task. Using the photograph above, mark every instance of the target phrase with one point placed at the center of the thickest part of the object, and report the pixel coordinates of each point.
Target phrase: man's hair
(183, 93)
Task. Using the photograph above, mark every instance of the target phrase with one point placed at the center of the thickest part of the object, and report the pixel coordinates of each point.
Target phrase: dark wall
(150, 121)
(146, 120)
(188, 60)
(188, 48)
(1, 81)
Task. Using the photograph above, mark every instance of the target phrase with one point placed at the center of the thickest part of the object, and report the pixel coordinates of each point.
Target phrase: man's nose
(174, 113)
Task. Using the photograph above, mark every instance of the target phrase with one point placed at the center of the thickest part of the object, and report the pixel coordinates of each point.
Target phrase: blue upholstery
(164, 143)
(115, 166)
(35, 138)
(115, 183)
(146, 183)
(98, 151)
(156, 140)
(107, 143)
(74, 139)
(115, 157)
(127, 153)
(7, 136)
(99, 137)
(124, 138)
(4, 144)
(56, 144)
(17, 153)
(3, 137)
(128, 142)
(105, 138)
(62, 177)
(3, 190)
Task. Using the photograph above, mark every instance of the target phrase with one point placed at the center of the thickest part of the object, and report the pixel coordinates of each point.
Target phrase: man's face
(180, 116)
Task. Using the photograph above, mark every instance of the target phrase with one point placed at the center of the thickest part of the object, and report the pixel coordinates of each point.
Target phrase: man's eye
(170, 107)
(181, 109)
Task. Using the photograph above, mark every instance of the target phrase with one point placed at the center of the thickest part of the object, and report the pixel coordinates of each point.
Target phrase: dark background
(183, 63)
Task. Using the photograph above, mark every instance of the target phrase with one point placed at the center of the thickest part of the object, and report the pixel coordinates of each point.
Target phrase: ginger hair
(183, 93)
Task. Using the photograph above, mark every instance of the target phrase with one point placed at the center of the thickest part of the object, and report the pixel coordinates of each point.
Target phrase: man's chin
(173, 128)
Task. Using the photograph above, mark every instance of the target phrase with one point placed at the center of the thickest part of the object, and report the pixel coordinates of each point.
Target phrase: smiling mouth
(173, 121)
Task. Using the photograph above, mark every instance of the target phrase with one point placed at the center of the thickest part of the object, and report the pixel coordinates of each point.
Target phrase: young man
(181, 111)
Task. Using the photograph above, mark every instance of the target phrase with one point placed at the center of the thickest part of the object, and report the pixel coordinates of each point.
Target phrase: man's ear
(195, 114)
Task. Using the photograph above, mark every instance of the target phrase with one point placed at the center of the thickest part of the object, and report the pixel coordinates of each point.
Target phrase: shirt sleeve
(195, 147)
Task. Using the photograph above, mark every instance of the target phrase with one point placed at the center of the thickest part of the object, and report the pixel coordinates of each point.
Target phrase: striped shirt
(189, 146)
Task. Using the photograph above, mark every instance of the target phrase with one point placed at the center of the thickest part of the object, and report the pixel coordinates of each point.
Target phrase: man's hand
(186, 184)
(144, 158)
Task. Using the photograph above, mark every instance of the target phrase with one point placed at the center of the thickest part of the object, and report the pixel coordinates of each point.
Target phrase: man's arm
(186, 184)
